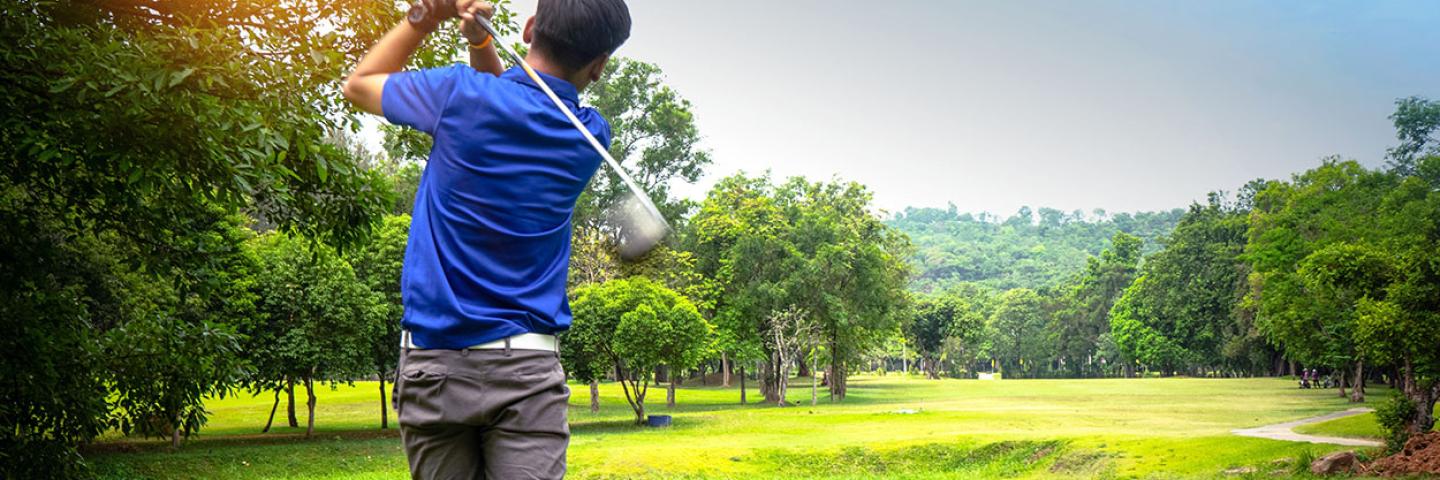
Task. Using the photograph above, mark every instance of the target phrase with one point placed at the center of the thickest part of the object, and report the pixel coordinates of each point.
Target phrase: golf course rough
(1094, 428)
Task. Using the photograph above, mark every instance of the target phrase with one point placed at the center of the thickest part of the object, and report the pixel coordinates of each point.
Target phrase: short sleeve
(416, 98)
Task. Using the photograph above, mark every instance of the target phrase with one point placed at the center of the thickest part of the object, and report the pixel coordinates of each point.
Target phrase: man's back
(490, 239)
(480, 392)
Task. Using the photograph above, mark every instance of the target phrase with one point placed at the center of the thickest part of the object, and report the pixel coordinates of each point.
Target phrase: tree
(937, 320)
(140, 126)
(812, 245)
(1311, 318)
(853, 271)
(1019, 323)
(314, 314)
(1084, 313)
(1417, 121)
(736, 207)
(654, 137)
(1399, 328)
(788, 331)
(634, 325)
(1183, 310)
(377, 264)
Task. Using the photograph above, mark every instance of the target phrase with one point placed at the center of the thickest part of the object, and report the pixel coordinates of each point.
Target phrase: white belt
(524, 341)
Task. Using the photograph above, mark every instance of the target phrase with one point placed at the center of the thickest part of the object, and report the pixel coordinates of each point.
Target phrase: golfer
(481, 393)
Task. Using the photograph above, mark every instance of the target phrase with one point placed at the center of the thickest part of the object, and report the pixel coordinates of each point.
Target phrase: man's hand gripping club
(366, 83)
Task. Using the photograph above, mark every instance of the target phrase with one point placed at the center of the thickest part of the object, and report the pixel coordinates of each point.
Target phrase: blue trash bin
(658, 420)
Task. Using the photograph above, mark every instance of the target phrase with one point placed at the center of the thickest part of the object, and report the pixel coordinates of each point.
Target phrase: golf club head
(641, 228)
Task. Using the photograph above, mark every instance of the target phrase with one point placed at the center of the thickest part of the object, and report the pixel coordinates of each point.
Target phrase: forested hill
(1031, 249)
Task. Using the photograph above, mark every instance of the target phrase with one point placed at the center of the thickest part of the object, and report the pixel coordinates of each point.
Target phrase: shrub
(1394, 415)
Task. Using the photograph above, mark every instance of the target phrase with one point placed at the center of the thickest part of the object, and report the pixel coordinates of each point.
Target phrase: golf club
(641, 225)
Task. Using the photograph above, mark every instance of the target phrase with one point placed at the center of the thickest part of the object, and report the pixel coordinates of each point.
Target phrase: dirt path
(1284, 431)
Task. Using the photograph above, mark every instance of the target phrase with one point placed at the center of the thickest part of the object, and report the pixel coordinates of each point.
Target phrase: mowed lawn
(888, 427)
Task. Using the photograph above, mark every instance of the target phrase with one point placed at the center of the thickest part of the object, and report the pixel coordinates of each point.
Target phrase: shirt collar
(562, 88)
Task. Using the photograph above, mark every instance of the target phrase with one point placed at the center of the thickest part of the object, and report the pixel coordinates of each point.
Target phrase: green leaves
(635, 325)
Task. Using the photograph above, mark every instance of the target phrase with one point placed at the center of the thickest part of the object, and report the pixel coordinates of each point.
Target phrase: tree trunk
(814, 385)
(904, 358)
(290, 402)
(837, 373)
(640, 411)
(782, 380)
(932, 366)
(725, 369)
(1357, 389)
(804, 370)
(670, 391)
(768, 383)
(1422, 396)
(384, 407)
(1341, 382)
(742, 384)
(175, 433)
(310, 407)
(273, 409)
(594, 396)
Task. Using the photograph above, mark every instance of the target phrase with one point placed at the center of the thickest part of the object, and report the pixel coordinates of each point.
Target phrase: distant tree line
(1333, 269)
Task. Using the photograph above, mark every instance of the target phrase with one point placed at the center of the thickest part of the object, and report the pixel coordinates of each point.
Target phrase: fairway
(889, 426)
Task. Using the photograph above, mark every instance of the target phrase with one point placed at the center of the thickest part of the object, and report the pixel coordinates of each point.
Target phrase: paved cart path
(1285, 431)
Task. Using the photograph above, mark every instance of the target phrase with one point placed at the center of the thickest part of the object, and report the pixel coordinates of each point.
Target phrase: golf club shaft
(594, 143)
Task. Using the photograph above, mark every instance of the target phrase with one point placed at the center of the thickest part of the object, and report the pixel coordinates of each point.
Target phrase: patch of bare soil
(1421, 456)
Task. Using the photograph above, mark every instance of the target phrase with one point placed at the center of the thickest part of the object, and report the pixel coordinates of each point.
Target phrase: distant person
(481, 393)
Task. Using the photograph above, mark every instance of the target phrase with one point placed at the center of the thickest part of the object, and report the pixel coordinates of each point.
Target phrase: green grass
(1358, 426)
(1148, 428)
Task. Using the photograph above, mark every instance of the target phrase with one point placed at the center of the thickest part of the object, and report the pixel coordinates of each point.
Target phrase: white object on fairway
(641, 225)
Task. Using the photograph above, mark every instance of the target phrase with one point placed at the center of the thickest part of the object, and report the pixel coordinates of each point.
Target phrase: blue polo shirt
(489, 246)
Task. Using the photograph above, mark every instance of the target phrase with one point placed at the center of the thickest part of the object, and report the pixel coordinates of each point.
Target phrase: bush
(1302, 463)
(1394, 415)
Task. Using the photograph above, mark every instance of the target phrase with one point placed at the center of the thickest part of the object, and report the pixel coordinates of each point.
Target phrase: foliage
(1417, 122)
(1182, 311)
(654, 137)
(633, 325)
(1027, 250)
(55, 393)
(140, 131)
(314, 312)
(377, 264)
(811, 245)
(1018, 327)
(1077, 329)
(1396, 415)
(938, 320)
(1305, 223)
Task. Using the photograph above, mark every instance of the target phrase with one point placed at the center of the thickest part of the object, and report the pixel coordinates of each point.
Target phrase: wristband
(483, 44)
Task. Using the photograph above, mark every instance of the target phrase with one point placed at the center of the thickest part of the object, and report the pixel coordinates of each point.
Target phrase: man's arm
(366, 83)
(485, 59)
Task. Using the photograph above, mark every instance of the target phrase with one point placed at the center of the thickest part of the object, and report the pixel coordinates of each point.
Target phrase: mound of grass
(1358, 426)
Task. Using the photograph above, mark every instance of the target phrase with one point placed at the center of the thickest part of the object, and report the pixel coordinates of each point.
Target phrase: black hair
(574, 33)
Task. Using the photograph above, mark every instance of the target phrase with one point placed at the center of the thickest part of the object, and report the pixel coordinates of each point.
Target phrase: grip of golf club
(594, 143)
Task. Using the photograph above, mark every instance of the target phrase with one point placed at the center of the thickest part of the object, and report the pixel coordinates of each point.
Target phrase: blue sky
(1120, 105)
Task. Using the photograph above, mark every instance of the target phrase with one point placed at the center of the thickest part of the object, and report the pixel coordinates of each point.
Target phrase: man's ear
(597, 68)
(529, 34)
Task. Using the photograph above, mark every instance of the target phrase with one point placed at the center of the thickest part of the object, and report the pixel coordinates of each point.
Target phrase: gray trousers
(483, 414)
